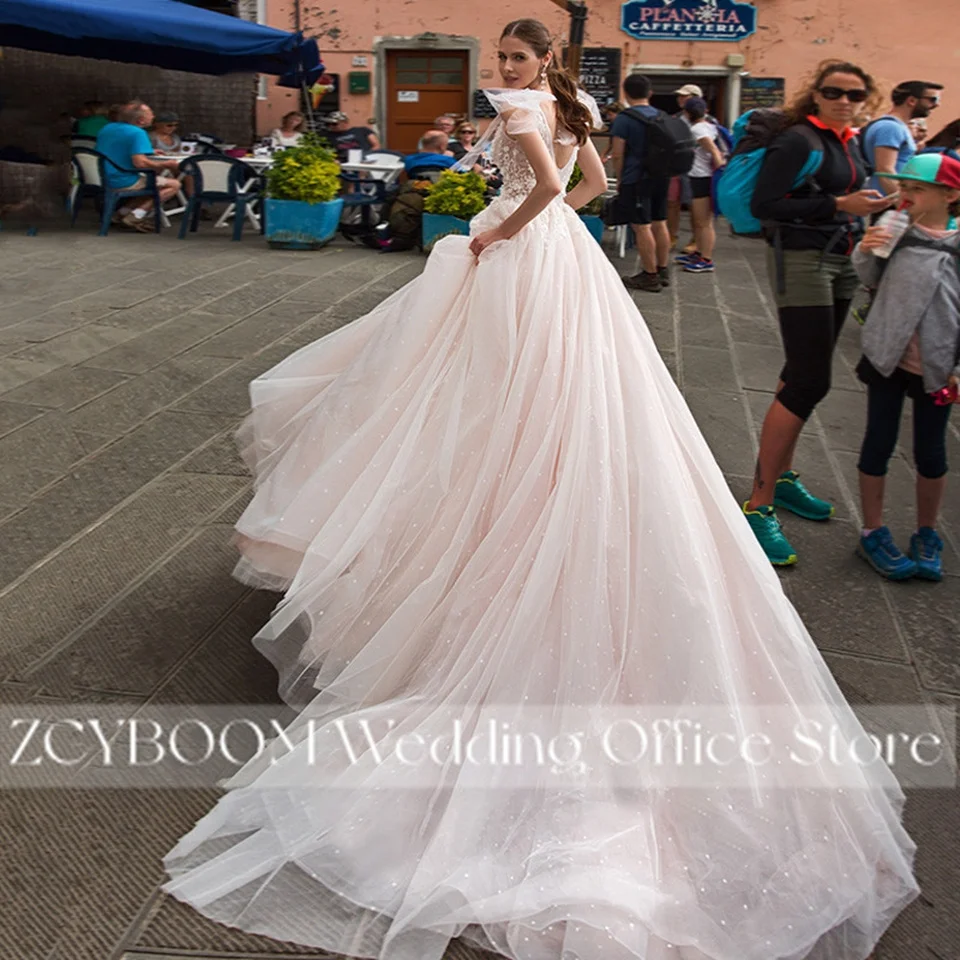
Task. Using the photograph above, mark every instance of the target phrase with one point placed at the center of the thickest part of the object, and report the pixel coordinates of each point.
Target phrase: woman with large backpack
(812, 228)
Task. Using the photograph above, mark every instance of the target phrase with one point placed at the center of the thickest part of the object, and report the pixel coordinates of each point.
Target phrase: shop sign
(724, 20)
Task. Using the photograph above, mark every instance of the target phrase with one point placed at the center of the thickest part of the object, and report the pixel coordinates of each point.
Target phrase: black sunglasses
(857, 95)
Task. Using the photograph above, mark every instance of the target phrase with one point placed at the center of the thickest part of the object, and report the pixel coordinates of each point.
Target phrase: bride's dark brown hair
(571, 113)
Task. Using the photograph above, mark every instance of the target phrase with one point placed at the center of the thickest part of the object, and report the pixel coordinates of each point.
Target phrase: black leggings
(885, 397)
(809, 338)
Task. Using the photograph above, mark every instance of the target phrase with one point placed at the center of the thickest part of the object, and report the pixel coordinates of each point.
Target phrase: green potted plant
(303, 205)
(450, 205)
(591, 213)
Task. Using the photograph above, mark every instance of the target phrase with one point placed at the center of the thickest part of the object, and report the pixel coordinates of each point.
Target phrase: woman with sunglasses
(812, 230)
(464, 137)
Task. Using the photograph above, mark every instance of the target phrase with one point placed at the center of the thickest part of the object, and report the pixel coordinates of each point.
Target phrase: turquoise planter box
(594, 225)
(435, 226)
(295, 225)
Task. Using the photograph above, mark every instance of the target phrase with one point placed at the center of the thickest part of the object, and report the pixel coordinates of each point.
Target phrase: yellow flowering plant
(460, 195)
(308, 172)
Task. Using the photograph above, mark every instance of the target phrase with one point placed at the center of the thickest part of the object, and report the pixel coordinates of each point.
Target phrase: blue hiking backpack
(724, 138)
(752, 135)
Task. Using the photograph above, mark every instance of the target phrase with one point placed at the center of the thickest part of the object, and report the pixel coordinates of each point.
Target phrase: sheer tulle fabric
(488, 497)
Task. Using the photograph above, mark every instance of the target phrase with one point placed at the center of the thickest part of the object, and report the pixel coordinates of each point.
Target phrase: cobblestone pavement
(124, 365)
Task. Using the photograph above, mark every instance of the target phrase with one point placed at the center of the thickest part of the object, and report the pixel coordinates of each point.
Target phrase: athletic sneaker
(766, 528)
(682, 258)
(879, 550)
(925, 549)
(699, 265)
(792, 495)
(664, 274)
(648, 282)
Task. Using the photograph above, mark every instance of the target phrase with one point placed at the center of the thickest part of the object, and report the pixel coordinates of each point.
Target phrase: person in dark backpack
(811, 230)
(641, 200)
(911, 348)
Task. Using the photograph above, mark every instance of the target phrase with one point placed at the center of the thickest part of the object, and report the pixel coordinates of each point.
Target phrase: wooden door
(421, 85)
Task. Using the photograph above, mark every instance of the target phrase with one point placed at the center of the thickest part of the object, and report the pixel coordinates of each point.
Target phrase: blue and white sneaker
(879, 550)
(683, 258)
(925, 549)
(698, 265)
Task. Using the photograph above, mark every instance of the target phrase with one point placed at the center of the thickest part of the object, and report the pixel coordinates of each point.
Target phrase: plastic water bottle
(896, 223)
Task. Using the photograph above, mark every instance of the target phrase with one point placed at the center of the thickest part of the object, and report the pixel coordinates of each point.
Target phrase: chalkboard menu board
(757, 92)
(600, 73)
(482, 107)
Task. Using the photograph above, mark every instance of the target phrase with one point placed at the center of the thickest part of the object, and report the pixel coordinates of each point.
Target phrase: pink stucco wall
(894, 44)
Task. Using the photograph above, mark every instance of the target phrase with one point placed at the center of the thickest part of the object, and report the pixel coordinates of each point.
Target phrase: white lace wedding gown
(486, 500)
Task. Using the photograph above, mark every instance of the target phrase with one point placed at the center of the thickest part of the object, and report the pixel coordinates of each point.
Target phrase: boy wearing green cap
(911, 347)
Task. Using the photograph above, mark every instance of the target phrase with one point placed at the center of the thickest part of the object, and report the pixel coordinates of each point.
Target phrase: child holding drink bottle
(911, 347)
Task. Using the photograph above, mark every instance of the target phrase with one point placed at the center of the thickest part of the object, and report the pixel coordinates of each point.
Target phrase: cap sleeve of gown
(518, 109)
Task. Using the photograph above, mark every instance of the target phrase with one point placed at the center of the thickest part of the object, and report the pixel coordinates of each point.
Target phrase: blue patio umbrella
(164, 33)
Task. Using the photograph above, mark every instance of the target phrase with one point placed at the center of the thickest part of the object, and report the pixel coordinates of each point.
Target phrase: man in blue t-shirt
(641, 201)
(432, 154)
(888, 143)
(126, 144)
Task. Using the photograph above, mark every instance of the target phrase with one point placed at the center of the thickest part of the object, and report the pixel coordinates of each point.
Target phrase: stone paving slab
(124, 367)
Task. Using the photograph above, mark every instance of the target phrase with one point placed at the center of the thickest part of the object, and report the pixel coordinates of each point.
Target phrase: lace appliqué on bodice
(521, 111)
(518, 176)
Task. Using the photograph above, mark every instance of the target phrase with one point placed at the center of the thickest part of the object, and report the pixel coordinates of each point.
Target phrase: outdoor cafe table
(258, 164)
(389, 172)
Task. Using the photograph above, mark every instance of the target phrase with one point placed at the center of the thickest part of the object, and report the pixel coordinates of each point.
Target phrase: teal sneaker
(925, 549)
(766, 528)
(885, 556)
(792, 495)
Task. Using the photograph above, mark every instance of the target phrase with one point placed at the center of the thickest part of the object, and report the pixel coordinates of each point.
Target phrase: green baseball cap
(935, 168)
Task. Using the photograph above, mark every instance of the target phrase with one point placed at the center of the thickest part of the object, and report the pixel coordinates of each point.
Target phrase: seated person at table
(462, 141)
(126, 144)
(94, 120)
(290, 131)
(433, 154)
(346, 138)
(163, 133)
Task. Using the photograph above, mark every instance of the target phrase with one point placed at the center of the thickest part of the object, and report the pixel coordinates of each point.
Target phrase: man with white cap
(679, 192)
(687, 91)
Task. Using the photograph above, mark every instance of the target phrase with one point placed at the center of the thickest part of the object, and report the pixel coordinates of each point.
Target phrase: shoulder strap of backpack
(871, 124)
(635, 114)
(816, 147)
(913, 241)
(812, 138)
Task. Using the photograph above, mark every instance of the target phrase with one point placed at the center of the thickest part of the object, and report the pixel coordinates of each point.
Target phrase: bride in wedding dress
(497, 526)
